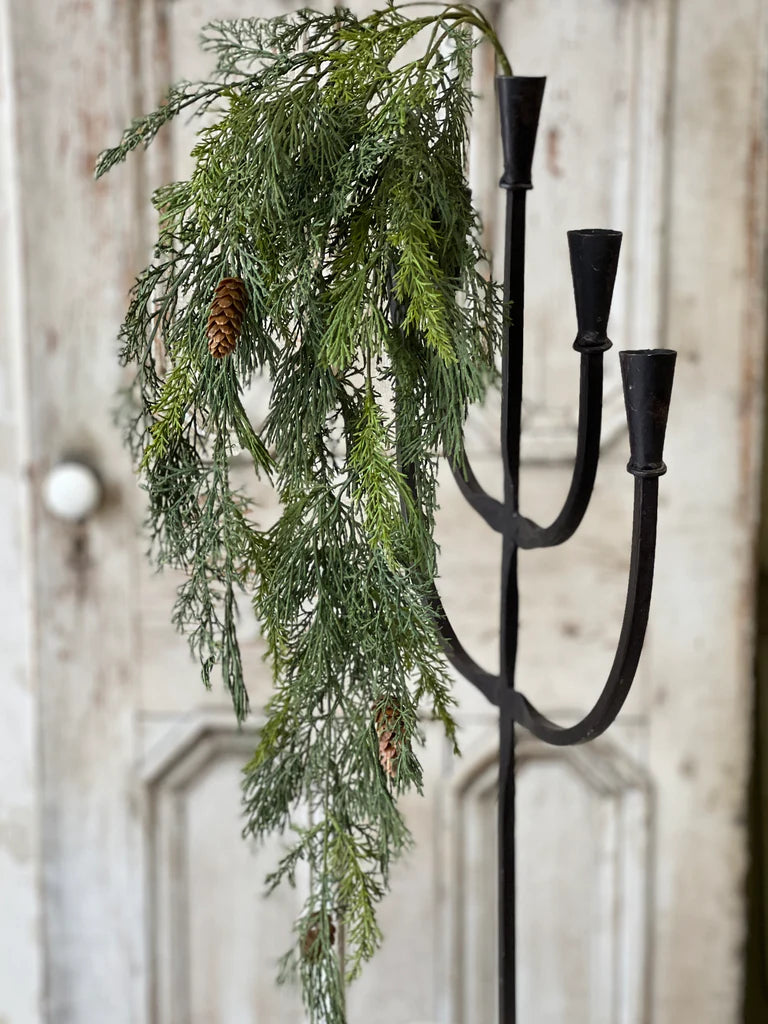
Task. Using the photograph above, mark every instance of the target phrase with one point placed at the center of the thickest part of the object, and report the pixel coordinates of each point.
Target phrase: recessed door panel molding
(584, 875)
(213, 937)
(600, 162)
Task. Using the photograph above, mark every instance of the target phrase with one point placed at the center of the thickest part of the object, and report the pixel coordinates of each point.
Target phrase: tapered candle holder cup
(647, 376)
(519, 101)
(594, 262)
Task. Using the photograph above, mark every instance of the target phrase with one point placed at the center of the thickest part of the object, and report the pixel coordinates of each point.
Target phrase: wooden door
(126, 892)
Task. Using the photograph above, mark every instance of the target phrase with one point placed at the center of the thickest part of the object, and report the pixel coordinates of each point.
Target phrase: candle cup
(519, 101)
(594, 261)
(647, 376)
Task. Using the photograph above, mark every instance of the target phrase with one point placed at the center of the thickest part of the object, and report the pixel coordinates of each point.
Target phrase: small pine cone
(388, 751)
(309, 946)
(225, 320)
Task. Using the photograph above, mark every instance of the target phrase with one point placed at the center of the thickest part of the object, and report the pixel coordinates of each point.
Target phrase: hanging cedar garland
(329, 193)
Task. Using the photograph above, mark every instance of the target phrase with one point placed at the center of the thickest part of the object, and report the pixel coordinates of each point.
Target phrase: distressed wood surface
(126, 892)
(20, 904)
(78, 260)
(701, 655)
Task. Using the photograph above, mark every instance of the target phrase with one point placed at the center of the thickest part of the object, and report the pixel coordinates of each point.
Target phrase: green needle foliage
(333, 184)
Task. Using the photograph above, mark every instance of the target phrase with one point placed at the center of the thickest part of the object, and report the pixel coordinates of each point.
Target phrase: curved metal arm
(486, 682)
(528, 534)
(622, 672)
(491, 510)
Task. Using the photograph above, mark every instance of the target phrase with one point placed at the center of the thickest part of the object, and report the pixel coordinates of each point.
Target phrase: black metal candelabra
(647, 379)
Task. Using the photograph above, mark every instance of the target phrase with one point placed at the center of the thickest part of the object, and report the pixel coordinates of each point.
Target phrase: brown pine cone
(225, 320)
(387, 747)
(309, 946)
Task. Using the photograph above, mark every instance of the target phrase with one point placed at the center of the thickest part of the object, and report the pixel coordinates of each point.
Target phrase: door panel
(214, 938)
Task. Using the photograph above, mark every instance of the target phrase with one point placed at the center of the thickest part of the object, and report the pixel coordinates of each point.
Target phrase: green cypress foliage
(333, 184)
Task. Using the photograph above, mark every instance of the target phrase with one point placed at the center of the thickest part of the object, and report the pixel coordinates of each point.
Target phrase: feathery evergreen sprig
(332, 184)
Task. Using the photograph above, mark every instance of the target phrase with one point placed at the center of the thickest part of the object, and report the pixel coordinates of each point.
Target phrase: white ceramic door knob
(72, 491)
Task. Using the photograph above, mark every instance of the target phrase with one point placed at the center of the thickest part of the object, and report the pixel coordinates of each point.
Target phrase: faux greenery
(332, 183)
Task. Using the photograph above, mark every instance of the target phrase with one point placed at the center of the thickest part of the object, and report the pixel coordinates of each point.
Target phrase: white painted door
(126, 893)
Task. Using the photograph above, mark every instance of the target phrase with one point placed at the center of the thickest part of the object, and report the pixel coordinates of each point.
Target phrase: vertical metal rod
(507, 973)
(512, 386)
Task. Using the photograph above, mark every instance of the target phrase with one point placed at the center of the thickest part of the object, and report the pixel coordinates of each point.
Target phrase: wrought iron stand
(647, 379)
